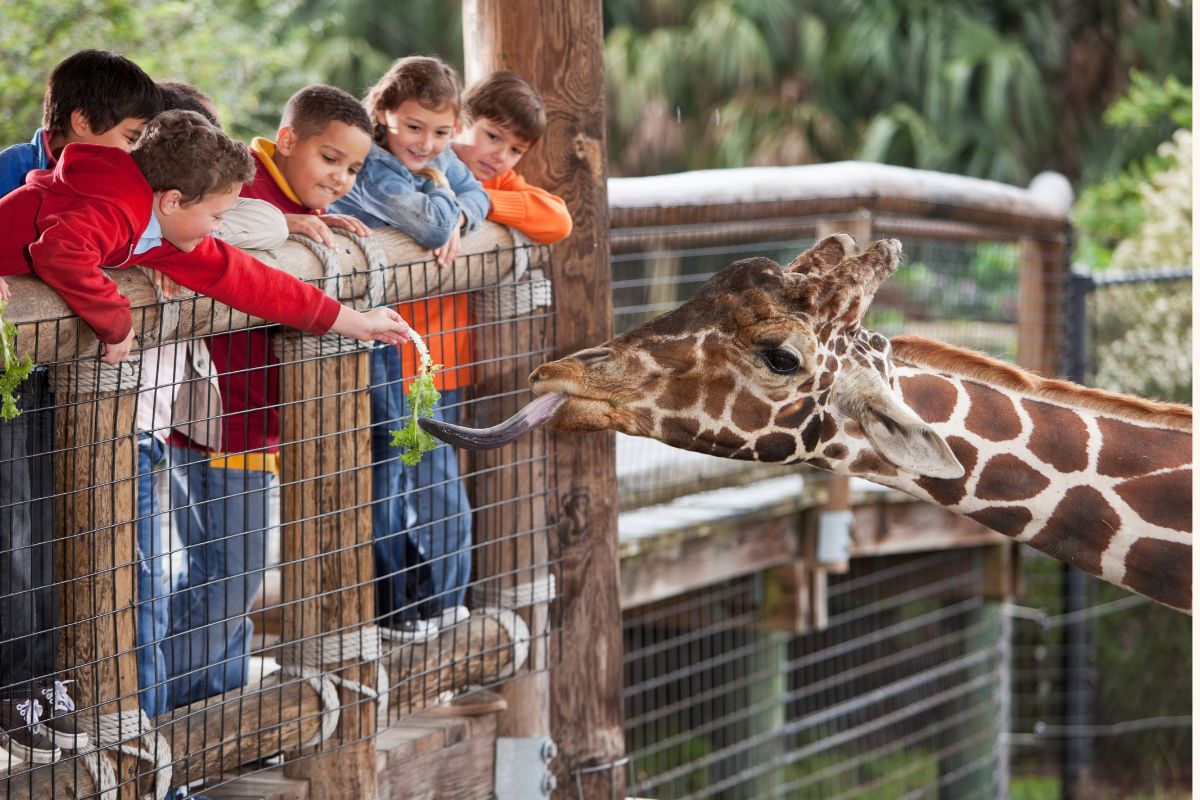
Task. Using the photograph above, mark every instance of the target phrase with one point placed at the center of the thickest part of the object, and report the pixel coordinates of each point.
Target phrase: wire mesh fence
(214, 559)
(897, 697)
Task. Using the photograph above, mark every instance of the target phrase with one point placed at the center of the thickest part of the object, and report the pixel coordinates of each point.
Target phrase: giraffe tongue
(531, 416)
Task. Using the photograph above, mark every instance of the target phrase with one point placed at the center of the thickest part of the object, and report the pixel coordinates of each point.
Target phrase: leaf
(422, 396)
(12, 369)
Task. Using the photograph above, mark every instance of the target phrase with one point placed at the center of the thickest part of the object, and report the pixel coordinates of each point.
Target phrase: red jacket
(65, 225)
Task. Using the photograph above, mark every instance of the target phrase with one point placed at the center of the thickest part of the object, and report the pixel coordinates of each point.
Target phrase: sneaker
(417, 630)
(60, 723)
(27, 740)
(452, 616)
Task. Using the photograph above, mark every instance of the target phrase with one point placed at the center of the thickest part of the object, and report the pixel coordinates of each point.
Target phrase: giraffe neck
(1100, 482)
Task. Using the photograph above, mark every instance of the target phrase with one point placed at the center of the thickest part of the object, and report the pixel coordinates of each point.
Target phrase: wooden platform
(424, 757)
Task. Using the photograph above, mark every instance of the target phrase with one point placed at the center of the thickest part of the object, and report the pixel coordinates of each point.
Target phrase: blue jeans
(221, 517)
(153, 581)
(421, 518)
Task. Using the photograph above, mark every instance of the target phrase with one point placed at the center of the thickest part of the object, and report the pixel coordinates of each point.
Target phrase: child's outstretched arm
(380, 324)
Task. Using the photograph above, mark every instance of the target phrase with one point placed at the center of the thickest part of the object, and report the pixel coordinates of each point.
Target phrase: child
(180, 179)
(505, 118)
(414, 108)
(323, 138)
(93, 96)
(177, 383)
(102, 98)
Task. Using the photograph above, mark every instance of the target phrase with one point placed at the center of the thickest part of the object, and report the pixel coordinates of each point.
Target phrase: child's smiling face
(417, 135)
(323, 167)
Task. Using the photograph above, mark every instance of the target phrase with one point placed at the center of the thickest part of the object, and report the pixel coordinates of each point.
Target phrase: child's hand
(116, 353)
(166, 285)
(5, 292)
(379, 324)
(449, 251)
(311, 226)
(346, 223)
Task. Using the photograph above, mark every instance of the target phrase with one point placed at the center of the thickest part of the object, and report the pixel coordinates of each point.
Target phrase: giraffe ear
(907, 441)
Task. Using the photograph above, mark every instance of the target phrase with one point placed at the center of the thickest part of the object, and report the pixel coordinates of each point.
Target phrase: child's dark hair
(312, 108)
(430, 81)
(106, 87)
(508, 100)
(182, 150)
(180, 96)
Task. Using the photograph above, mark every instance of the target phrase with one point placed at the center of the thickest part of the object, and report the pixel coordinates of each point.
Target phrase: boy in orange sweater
(505, 118)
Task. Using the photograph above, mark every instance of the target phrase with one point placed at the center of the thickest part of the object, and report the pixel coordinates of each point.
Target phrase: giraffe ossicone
(772, 364)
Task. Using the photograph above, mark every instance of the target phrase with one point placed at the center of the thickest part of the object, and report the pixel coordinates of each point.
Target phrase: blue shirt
(386, 193)
(150, 238)
(17, 161)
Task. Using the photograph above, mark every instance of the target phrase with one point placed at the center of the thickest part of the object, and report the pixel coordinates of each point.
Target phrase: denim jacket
(386, 193)
(17, 161)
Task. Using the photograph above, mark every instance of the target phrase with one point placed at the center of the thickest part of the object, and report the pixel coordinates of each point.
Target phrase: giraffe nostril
(593, 355)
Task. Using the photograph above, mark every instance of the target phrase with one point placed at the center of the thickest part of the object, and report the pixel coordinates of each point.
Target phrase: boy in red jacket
(67, 225)
(222, 495)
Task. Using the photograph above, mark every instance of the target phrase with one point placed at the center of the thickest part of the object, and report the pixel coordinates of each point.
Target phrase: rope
(113, 731)
(92, 377)
(307, 659)
(377, 263)
(538, 590)
(518, 636)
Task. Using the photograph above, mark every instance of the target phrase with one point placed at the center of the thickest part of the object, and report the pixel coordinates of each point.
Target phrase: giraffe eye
(783, 362)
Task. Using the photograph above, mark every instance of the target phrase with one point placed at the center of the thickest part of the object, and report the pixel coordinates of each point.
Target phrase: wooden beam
(558, 47)
(49, 332)
(95, 550)
(735, 547)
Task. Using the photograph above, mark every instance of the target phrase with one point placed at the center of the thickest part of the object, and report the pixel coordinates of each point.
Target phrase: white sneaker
(417, 630)
(452, 616)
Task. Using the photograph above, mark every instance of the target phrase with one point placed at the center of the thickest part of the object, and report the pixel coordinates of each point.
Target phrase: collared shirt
(150, 238)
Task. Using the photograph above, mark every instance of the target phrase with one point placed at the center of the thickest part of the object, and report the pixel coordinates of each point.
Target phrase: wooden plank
(562, 56)
(737, 547)
(463, 769)
(908, 527)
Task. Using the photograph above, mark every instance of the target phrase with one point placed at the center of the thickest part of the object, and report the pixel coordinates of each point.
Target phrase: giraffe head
(765, 363)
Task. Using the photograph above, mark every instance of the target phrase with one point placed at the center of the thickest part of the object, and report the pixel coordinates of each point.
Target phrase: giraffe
(772, 364)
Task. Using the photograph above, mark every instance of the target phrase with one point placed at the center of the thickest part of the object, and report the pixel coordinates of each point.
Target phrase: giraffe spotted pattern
(771, 363)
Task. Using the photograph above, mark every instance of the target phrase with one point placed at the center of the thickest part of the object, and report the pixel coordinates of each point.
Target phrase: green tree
(218, 47)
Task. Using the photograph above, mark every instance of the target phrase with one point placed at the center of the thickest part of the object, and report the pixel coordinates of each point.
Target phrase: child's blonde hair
(430, 81)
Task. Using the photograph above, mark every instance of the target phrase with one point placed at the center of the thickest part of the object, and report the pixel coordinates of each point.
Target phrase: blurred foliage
(217, 47)
(998, 90)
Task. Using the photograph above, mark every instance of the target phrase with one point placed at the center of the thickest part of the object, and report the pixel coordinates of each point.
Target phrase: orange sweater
(542, 217)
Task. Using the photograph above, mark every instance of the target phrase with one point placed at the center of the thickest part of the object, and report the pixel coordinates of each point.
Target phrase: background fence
(925, 683)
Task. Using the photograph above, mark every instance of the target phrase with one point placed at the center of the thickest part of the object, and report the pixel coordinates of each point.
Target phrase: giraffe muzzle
(537, 413)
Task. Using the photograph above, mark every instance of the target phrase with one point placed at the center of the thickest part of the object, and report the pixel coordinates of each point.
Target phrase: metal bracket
(522, 767)
(833, 537)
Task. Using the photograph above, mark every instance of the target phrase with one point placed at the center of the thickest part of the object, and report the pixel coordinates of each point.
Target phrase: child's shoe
(27, 739)
(61, 724)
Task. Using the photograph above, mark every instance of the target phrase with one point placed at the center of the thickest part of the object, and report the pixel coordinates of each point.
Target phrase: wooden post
(562, 57)
(327, 569)
(94, 509)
